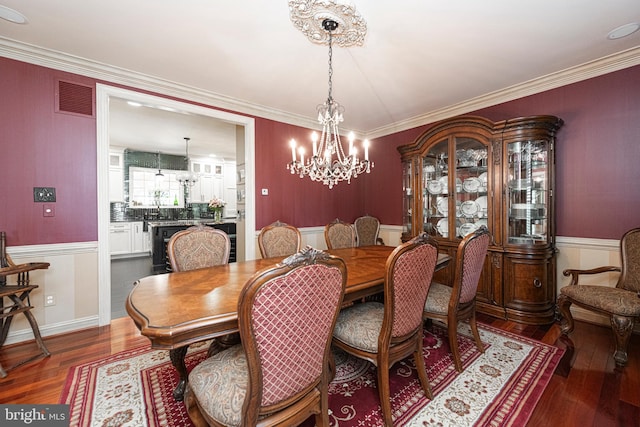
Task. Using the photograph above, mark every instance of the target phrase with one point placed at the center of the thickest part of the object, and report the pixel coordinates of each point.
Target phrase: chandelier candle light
(322, 165)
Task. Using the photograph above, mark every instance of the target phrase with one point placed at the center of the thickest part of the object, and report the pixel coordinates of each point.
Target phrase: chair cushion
(220, 385)
(613, 300)
(438, 298)
(359, 326)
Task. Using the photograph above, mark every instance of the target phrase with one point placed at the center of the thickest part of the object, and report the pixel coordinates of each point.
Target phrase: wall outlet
(49, 300)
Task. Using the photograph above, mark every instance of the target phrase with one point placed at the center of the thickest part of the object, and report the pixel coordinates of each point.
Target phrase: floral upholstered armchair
(621, 303)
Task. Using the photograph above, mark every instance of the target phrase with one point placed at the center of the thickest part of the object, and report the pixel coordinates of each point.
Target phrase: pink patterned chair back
(198, 247)
(473, 251)
(279, 239)
(286, 316)
(367, 230)
(409, 272)
(338, 234)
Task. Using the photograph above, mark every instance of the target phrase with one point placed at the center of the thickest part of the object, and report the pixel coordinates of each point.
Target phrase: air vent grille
(74, 98)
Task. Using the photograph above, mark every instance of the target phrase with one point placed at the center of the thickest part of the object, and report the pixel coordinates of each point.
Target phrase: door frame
(103, 94)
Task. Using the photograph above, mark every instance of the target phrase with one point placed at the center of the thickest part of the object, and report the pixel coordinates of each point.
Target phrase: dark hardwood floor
(586, 390)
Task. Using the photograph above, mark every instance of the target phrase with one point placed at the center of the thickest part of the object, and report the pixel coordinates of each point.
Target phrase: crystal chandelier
(329, 162)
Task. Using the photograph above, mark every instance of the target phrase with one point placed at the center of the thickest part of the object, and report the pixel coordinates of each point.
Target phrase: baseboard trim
(55, 329)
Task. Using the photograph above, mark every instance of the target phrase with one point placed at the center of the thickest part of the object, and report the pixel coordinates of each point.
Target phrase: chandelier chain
(330, 99)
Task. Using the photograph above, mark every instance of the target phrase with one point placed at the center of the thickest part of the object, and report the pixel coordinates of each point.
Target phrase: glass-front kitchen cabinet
(467, 172)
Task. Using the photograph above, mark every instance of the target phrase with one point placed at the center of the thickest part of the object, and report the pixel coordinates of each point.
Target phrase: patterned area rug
(498, 388)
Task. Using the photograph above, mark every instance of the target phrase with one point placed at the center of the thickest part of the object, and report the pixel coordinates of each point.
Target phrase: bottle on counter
(175, 200)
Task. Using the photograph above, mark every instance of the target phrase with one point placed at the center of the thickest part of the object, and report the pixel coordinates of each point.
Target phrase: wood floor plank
(586, 390)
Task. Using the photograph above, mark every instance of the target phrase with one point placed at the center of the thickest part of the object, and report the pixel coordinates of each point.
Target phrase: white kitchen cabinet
(210, 180)
(128, 238)
(119, 238)
(116, 177)
(139, 238)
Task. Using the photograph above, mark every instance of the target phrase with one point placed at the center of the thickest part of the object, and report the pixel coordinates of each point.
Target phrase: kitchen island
(161, 232)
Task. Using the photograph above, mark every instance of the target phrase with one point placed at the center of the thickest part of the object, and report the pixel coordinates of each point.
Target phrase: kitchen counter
(171, 222)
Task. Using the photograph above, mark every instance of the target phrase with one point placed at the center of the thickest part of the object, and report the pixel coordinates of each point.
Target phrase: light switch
(265, 191)
(48, 210)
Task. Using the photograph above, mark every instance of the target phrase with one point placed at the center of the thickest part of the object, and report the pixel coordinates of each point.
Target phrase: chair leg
(385, 394)
(476, 334)
(452, 330)
(566, 322)
(422, 371)
(622, 327)
(190, 402)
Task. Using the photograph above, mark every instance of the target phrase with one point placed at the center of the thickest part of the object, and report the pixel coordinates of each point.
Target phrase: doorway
(245, 156)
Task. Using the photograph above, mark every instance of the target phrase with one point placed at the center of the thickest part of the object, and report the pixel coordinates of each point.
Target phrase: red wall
(42, 148)
(307, 203)
(597, 155)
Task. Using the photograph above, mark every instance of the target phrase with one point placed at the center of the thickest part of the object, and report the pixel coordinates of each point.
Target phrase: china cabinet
(467, 172)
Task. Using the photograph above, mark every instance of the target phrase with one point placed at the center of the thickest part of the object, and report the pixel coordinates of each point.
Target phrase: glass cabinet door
(407, 197)
(528, 188)
(471, 204)
(435, 190)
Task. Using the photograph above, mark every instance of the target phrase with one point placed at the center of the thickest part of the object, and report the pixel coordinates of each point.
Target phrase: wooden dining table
(176, 309)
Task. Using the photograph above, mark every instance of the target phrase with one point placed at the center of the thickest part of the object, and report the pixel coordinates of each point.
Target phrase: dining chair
(367, 229)
(198, 247)
(279, 239)
(620, 303)
(385, 333)
(452, 304)
(338, 234)
(279, 375)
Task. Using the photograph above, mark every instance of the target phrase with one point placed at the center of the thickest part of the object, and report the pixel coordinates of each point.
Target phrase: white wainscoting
(73, 277)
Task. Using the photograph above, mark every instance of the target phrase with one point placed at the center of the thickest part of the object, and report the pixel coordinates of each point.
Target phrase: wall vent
(74, 98)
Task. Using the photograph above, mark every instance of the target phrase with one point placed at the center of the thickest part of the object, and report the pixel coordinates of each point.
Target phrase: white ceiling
(418, 56)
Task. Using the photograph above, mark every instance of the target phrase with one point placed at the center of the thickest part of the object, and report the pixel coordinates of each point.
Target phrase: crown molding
(598, 67)
(36, 55)
(73, 64)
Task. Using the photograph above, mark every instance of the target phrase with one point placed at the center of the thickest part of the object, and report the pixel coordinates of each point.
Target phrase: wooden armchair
(621, 304)
(17, 294)
(367, 229)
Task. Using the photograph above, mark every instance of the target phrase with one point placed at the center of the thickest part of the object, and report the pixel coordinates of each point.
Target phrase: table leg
(177, 356)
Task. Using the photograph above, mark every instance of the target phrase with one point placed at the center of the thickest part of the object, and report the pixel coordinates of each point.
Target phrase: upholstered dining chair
(620, 303)
(452, 304)
(279, 375)
(338, 234)
(279, 239)
(367, 229)
(385, 333)
(198, 247)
